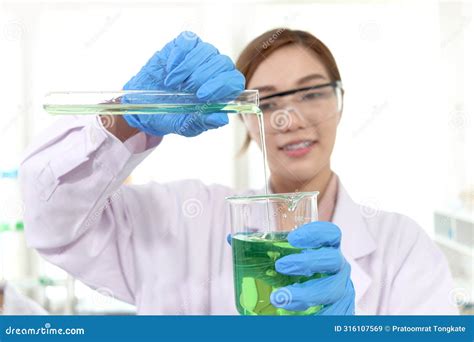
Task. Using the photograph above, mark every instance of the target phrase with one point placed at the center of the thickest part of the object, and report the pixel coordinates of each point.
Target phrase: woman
(138, 242)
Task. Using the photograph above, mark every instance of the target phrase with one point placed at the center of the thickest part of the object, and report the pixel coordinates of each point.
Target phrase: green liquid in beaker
(255, 276)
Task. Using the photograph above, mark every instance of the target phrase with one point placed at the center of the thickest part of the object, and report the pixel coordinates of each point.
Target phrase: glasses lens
(308, 107)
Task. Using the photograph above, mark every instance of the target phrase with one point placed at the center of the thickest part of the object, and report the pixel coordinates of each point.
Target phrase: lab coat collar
(348, 216)
(356, 242)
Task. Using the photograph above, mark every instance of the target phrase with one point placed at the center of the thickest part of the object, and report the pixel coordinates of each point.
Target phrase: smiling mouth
(294, 146)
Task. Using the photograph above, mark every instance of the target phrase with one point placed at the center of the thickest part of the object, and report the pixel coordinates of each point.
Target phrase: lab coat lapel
(356, 241)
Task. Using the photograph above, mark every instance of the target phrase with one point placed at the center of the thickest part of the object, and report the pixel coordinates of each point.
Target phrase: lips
(298, 148)
(296, 145)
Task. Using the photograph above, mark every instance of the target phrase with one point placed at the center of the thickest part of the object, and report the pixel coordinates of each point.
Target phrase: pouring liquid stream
(261, 127)
(292, 201)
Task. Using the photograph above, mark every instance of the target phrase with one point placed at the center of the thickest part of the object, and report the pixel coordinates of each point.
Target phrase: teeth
(297, 146)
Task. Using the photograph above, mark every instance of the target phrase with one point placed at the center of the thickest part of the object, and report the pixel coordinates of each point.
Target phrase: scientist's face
(300, 127)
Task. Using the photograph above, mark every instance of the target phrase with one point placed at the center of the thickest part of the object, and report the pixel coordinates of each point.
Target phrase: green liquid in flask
(255, 277)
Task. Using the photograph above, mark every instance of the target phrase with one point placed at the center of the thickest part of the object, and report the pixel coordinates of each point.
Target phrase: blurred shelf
(455, 228)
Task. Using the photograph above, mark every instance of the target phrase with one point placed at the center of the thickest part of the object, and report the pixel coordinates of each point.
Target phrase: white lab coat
(163, 247)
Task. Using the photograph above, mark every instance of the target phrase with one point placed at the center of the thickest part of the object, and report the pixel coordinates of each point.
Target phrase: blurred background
(405, 142)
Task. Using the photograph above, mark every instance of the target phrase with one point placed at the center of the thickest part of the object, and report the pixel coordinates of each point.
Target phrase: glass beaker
(260, 225)
(146, 102)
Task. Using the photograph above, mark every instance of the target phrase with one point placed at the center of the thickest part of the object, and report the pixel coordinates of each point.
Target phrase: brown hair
(264, 45)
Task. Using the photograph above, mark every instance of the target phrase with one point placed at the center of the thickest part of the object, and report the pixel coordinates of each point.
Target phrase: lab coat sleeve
(423, 284)
(75, 213)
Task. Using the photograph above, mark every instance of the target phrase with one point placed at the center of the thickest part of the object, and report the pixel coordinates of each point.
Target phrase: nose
(287, 119)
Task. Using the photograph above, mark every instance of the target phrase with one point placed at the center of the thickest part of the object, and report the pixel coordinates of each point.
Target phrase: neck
(318, 183)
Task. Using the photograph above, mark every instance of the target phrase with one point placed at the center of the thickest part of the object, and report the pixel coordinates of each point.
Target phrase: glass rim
(282, 196)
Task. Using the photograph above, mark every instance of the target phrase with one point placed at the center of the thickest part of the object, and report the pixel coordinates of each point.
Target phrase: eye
(317, 94)
(267, 106)
(312, 95)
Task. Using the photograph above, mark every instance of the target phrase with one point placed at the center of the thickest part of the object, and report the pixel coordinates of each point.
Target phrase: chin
(299, 176)
(300, 171)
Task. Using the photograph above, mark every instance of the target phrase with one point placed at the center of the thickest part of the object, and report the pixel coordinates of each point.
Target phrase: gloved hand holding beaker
(286, 262)
(321, 254)
(186, 64)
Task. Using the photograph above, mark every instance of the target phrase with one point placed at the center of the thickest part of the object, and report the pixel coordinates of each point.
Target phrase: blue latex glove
(335, 291)
(186, 64)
